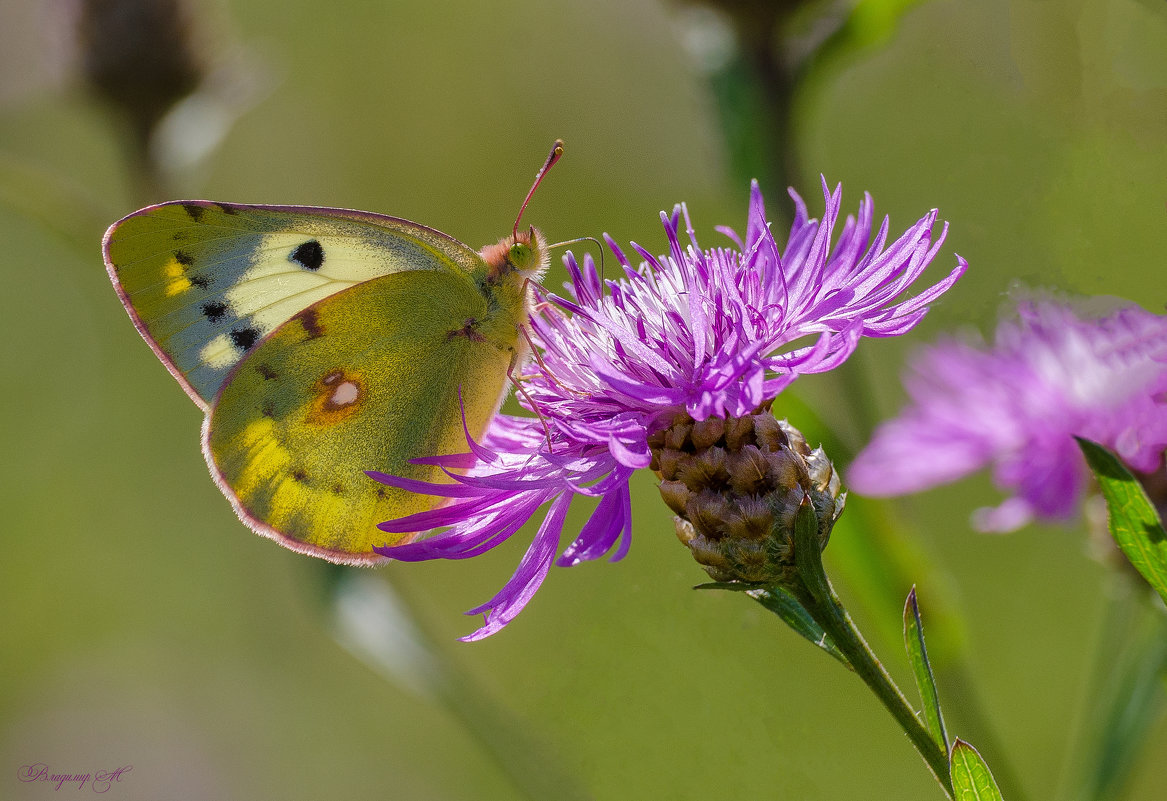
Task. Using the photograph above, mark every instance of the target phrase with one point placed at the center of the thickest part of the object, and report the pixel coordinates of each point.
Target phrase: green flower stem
(830, 614)
(820, 600)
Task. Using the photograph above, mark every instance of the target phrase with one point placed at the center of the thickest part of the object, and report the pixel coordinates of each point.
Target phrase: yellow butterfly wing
(204, 282)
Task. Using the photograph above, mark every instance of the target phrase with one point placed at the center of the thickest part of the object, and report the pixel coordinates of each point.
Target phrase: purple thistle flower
(1051, 375)
(705, 332)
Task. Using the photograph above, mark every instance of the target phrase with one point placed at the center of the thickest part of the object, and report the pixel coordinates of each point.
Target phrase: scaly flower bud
(736, 485)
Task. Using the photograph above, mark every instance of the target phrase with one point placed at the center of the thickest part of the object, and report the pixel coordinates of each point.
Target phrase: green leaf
(925, 681)
(732, 586)
(782, 602)
(808, 553)
(1133, 521)
(971, 778)
(873, 22)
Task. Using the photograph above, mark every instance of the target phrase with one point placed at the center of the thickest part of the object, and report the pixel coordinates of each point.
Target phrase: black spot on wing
(309, 255)
(244, 338)
(183, 258)
(310, 320)
(268, 409)
(214, 310)
(201, 281)
(299, 474)
(194, 211)
(266, 370)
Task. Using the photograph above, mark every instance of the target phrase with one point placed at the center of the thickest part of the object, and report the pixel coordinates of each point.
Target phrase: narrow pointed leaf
(1133, 521)
(731, 586)
(782, 602)
(971, 778)
(808, 553)
(922, 670)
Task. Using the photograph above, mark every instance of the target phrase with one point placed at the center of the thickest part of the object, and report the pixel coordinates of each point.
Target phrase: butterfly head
(523, 255)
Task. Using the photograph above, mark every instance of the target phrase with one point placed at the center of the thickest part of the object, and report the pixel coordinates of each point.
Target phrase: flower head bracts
(706, 333)
(1052, 374)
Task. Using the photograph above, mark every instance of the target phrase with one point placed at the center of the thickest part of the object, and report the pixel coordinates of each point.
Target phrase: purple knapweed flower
(1051, 375)
(705, 332)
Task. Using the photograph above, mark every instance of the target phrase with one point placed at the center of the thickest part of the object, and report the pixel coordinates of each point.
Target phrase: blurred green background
(143, 625)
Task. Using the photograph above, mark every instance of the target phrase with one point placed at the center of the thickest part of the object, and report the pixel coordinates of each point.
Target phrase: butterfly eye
(519, 255)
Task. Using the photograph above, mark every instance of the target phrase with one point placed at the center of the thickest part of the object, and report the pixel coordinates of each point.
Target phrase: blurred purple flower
(1052, 374)
(705, 332)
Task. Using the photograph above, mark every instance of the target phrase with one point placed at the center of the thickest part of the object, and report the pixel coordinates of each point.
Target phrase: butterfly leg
(519, 386)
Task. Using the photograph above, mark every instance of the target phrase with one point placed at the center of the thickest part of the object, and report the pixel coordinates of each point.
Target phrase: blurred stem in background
(731, 44)
(375, 624)
(755, 54)
(1124, 698)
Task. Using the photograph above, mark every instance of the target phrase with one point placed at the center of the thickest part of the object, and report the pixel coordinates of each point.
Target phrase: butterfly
(324, 342)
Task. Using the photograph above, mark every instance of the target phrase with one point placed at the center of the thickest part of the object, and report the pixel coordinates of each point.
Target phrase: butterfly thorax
(511, 264)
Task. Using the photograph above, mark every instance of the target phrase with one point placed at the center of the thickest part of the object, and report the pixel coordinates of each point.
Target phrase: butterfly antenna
(552, 157)
(591, 239)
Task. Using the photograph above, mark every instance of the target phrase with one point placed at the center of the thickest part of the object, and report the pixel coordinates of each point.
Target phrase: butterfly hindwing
(206, 282)
(365, 379)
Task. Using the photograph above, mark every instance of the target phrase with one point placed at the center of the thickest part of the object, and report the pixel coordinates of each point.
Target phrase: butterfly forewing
(205, 282)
